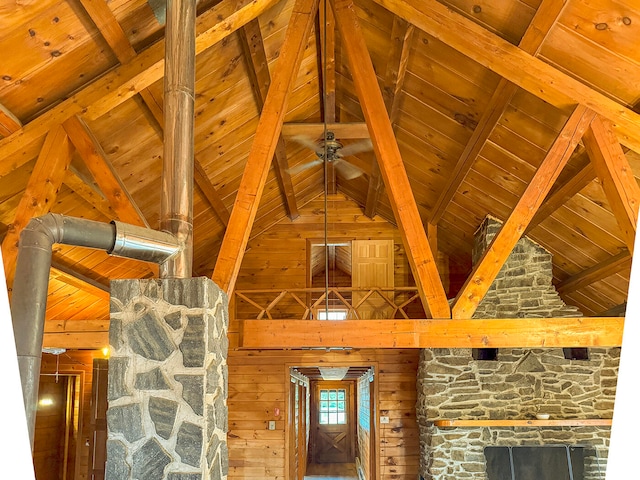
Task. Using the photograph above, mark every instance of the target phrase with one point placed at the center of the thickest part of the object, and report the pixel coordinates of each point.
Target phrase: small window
(331, 314)
(333, 407)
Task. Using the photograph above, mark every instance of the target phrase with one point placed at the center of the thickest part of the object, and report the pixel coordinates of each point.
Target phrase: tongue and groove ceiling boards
(485, 100)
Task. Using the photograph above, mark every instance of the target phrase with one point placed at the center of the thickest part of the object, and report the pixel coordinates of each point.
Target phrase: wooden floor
(331, 471)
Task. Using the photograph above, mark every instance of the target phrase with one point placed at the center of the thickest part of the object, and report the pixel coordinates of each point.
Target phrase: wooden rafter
(441, 333)
(125, 81)
(563, 193)
(40, 193)
(600, 271)
(258, 69)
(155, 112)
(487, 268)
(263, 147)
(76, 279)
(392, 168)
(545, 17)
(326, 39)
(401, 34)
(209, 191)
(9, 123)
(103, 172)
(110, 29)
(514, 64)
(616, 176)
(91, 195)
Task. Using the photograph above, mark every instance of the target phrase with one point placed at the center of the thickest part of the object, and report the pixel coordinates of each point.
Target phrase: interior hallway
(331, 471)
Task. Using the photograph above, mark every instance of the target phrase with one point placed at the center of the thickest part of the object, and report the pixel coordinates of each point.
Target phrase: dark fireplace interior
(549, 462)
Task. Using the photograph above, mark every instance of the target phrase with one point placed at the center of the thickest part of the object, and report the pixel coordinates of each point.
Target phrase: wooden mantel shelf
(574, 422)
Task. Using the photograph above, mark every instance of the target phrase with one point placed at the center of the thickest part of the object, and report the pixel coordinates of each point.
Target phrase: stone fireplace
(516, 385)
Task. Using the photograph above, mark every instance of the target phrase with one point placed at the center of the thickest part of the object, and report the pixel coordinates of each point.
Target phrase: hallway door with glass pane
(333, 418)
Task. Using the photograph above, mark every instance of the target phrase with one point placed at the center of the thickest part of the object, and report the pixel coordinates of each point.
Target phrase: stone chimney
(518, 384)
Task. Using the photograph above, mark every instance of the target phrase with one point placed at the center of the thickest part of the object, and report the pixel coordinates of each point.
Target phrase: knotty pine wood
(257, 452)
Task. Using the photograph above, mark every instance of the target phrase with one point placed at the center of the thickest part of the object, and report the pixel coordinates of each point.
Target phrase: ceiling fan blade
(347, 171)
(304, 166)
(357, 147)
(307, 142)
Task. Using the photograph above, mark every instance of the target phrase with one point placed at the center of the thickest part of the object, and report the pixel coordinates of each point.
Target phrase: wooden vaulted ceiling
(479, 95)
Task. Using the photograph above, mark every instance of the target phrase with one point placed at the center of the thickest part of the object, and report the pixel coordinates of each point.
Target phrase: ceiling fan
(335, 153)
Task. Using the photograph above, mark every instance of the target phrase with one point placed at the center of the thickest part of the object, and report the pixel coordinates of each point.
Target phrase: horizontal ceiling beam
(80, 334)
(487, 333)
(514, 64)
(118, 85)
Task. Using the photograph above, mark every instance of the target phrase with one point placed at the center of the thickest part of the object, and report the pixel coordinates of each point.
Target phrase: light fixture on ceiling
(333, 373)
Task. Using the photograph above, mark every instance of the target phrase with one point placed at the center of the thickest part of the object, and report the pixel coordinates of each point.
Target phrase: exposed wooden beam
(209, 191)
(123, 82)
(76, 279)
(397, 184)
(343, 131)
(545, 17)
(258, 69)
(600, 271)
(441, 333)
(264, 144)
(327, 40)
(81, 334)
(103, 172)
(401, 34)
(88, 193)
(571, 188)
(514, 64)
(9, 123)
(616, 176)
(110, 29)
(40, 193)
(486, 270)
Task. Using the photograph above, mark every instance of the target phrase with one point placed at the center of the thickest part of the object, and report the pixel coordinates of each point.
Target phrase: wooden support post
(263, 147)
(486, 270)
(392, 168)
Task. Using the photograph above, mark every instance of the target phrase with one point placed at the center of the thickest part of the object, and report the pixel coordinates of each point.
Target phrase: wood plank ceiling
(477, 92)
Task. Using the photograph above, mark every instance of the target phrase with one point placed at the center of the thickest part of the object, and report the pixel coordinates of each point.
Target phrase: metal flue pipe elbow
(30, 285)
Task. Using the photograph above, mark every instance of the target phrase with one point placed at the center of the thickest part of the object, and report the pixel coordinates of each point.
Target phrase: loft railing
(310, 303)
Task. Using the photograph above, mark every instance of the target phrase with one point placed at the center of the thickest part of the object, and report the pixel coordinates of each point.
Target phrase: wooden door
(372, 266)
(334, 423)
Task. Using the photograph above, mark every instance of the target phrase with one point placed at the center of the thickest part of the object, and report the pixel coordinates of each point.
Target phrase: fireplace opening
(545, 462)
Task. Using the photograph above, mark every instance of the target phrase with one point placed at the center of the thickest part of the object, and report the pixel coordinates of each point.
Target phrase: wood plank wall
(277, 258)
(80, 361)
(258, 390)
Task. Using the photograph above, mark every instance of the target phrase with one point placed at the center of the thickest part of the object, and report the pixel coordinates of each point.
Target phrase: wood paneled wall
(80, 361)
(258, 390)
(277, 258)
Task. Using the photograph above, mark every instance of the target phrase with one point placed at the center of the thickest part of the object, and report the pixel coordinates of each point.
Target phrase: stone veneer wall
(451, 385)
(167, 416)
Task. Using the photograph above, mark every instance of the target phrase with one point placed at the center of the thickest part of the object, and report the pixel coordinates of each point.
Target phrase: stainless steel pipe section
(140, 243)
(176, 212)
(29, 299)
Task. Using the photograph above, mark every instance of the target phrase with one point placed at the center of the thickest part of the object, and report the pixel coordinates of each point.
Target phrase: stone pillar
(167, 416)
